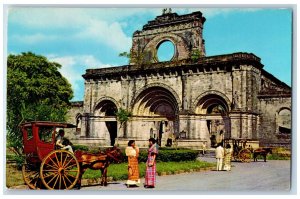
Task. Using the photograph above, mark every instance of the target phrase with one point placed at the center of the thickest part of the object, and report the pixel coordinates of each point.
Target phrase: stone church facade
(192, 97)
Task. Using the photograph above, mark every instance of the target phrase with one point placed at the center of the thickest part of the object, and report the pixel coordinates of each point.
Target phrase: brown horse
(97, 161)
(262, 152)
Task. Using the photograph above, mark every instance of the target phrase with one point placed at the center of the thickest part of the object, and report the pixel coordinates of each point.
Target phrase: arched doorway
(215, 111)
(159, 109)
(284, 121)
(106, 111)
(78, 123)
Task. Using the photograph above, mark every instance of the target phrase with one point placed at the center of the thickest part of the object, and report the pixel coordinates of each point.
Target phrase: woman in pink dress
(150, 177)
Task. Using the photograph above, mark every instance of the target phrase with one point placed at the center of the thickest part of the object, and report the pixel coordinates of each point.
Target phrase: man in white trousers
(219, 156)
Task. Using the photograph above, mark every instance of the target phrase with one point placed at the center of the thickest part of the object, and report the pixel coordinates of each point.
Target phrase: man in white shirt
(219, 156)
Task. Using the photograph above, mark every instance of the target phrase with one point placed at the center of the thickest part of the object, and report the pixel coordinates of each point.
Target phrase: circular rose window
(165, 51)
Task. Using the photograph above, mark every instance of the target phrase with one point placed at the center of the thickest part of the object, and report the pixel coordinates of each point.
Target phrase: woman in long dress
(227, 159)
(132, 152)
(150, 177)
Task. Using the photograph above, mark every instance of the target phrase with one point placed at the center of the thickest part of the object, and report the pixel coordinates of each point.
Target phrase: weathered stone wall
(239, 86)
(246, 99)
(269, 109)
(189, 87)
(74, 117)
(184, 31)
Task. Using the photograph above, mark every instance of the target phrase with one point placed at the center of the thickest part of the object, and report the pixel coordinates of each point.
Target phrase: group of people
(223, 157)
(132, 152)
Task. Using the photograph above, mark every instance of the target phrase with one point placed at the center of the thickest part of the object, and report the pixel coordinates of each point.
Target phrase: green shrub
(279, 156)
(279, 153)
(169, 155)
(80, 147)
(19, 160)
(177, 155)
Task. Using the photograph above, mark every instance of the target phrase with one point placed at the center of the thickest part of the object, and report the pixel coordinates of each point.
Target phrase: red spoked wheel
(31, 175)
(244, 155)
(59, 170)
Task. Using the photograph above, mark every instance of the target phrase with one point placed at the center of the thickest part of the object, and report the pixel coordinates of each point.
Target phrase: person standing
(219, 156)
(203, 148)
(150, 177)
(132, 152)
(227, 158)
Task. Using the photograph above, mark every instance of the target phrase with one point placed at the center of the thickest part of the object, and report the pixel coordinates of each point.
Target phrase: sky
(90, 37)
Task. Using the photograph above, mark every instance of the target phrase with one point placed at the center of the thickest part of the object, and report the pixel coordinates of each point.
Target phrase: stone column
(184, 92)
(203, 131)
(85, 131)
(235, 124)
(250, 117)
(244, 126)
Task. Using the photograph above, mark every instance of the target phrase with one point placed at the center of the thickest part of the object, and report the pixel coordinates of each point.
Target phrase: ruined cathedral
(191, 98)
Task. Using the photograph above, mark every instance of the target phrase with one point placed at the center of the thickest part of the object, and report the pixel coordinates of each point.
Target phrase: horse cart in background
(242, 151)
(46, 167)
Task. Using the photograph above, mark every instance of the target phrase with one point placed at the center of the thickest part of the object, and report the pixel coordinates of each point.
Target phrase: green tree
(35, 91)
(195, 55)
(138, 58)
(123, 116)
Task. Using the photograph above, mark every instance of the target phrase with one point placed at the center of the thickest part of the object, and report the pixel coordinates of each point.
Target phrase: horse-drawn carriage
(46, 167)
(243, 150)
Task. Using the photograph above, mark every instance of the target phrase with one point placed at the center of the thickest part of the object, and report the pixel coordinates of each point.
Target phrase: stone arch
(107, 125)
(181, 49)
(155, 101)
(96, 105)
(78, 119)
(282, 108)
(283, 120)
(158, 109)
(222, 98)
(214, 107)
(168, 88)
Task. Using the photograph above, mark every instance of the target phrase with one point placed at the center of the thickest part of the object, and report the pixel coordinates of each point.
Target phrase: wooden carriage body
(242, 148)
(44, 166)
(39, 138)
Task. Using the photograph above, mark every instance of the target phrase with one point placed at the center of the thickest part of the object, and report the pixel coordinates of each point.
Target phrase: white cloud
(49, 17)
(32, 39)
(79, 23)
(74, 17)
(212, 12)
(73, 67)
(102, 25)
(109, 34)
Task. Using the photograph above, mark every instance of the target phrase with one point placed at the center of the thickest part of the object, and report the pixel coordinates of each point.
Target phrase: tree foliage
(195, 55)
(138, 58)
(35, 91)
(123, 115)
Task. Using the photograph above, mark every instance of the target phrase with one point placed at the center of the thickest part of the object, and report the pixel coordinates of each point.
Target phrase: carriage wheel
(31, 175)
(59, 170)
(245, 155)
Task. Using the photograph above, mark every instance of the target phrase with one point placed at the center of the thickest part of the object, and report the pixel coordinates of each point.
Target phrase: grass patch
(278, 156)
(14, 176)
(278, 153)
(119, 171)
(116, 171)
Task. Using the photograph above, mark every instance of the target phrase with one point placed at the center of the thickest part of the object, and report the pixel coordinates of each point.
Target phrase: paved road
(255, 177)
